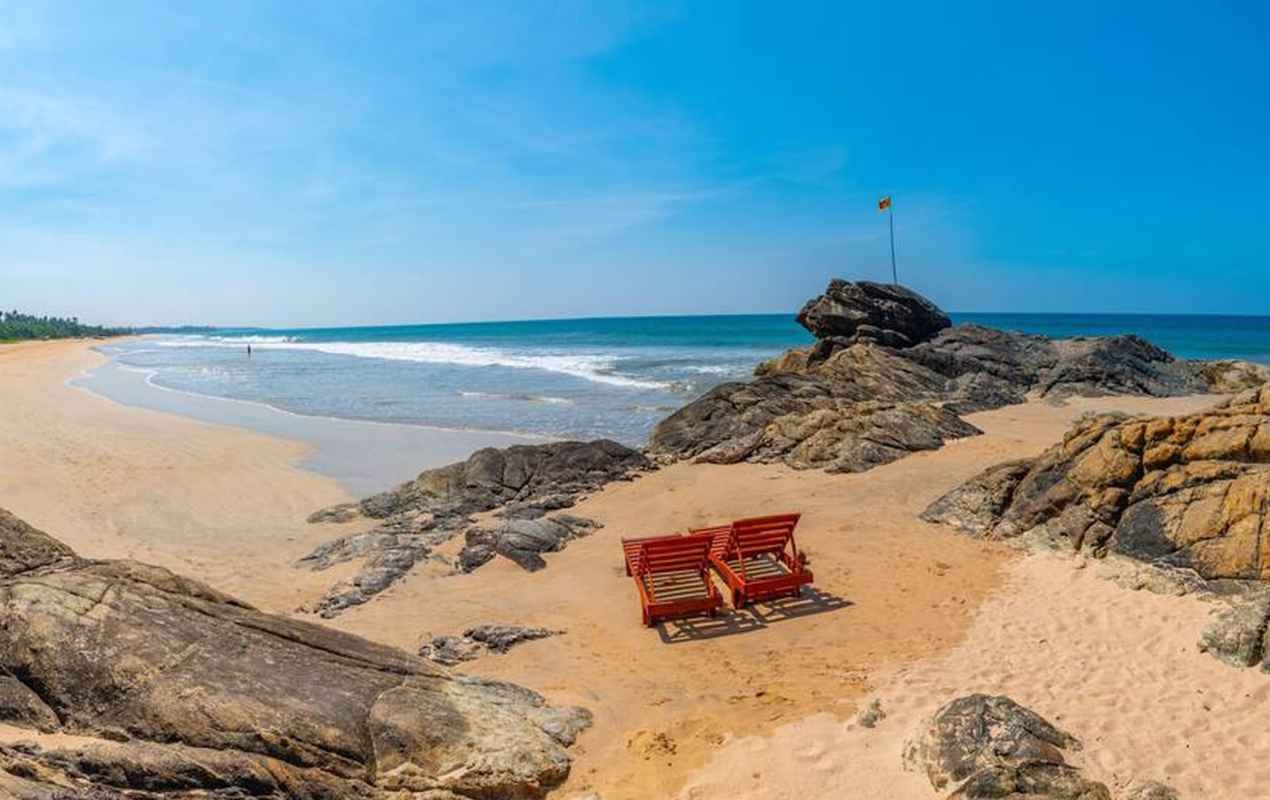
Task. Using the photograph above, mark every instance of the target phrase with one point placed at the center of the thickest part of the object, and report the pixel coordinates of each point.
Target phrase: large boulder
(172, 689)
(886, 314)
(1187, 491)
(523, 482)
(550, 474)
(862, 407)
(983, 746)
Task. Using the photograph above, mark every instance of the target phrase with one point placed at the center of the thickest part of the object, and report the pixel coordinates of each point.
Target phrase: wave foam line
(596, 368)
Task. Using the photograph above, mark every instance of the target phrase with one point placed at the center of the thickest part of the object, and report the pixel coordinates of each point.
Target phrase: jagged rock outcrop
(169, 688)
(476, 641)
(981, 747)
(525, 479)
(882, 313)
(888, 376)
(862, 407)
(522, 540)
(1187, 491)
(1089, 366)
(522, 484)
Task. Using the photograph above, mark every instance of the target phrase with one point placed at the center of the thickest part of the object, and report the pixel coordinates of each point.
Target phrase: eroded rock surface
(881, 313)
(889, 376)
(983, 746)
(169, 688)
(1187, 491)
(522, 540)
(521, 484)
(862, 407)
(479, 640)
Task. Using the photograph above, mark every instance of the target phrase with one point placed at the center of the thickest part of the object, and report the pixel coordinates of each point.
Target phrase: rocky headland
(889, 375)
(138, 683)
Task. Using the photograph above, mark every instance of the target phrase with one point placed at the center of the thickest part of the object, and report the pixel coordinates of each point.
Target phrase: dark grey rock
(1033, 782)
(874, 312)
(522, 540)
(522, 484)
(501, 638)
(478, 549)
(982, 746)
(476, 641)
(863, 407)
(975, 506)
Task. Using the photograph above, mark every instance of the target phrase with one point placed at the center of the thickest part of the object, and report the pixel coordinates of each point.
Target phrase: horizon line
(792, 316)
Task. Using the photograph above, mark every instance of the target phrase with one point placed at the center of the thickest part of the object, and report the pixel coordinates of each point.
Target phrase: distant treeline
(16, 325)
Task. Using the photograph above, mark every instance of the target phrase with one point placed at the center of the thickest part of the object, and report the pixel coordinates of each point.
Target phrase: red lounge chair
(673, 576)
(758, 560)
(630, 549)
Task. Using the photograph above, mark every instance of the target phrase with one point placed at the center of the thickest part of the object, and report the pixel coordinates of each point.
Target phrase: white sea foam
(592, 367)
(194, 340)
(714, 369)
(532, 398)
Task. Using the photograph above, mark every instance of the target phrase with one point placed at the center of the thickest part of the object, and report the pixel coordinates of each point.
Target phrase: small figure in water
(248, 351)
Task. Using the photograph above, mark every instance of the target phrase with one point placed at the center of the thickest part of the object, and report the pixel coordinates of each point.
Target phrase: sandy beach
(756, 704)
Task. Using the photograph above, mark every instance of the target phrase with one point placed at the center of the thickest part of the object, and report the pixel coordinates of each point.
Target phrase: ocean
(577, 378)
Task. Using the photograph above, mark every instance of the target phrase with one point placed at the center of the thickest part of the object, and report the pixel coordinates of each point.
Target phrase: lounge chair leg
(738, 598)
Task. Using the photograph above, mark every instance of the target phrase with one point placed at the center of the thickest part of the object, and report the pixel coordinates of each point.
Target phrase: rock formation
(1240, 633)
(1188, 491)
(521, 483)
(862, 407)
(889, 375)
(522, 540)
(476, 641)
(981, 747)
(848, 313)
(167, 688)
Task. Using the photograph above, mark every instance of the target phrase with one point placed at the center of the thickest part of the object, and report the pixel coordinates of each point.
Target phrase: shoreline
(365, 456)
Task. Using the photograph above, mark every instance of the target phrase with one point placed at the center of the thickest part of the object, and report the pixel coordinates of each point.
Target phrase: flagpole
(890, 216)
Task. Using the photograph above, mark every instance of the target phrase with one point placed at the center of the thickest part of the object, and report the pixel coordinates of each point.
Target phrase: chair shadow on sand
(753, 617)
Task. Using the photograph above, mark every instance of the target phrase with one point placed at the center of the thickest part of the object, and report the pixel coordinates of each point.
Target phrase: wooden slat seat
(758, 559)
(672, 576)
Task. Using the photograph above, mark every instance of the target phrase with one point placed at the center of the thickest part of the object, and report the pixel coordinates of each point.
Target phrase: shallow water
(584, 378)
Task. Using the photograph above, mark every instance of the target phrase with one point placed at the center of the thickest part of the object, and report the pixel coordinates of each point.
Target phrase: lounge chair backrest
(759, 535)
(719, 535)
(674, 553)
(630, 550)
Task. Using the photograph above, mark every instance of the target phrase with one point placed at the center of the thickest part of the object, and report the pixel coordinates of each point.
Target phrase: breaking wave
(598, 368)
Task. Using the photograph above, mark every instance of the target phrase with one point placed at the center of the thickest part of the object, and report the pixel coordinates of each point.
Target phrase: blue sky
(329, 163)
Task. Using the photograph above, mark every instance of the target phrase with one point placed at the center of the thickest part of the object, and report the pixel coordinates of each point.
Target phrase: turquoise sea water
(612, 377)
